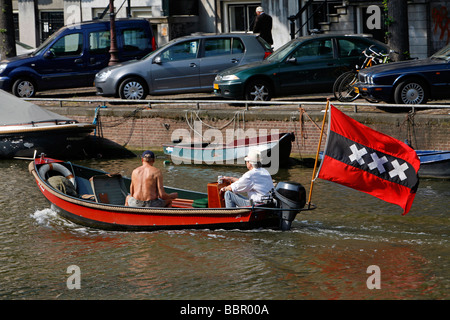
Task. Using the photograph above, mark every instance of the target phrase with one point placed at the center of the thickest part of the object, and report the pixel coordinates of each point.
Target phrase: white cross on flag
(369, 161)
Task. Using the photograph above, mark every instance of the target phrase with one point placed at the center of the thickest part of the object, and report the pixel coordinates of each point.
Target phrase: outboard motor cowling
(290, 196)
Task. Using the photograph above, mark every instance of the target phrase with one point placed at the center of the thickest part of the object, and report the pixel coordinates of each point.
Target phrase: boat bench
(109, 188)
(187, 203)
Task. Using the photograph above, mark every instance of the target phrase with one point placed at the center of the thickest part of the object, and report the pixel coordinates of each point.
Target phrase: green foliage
(388, 20)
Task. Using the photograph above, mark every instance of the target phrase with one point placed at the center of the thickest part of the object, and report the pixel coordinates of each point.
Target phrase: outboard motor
(291, 196)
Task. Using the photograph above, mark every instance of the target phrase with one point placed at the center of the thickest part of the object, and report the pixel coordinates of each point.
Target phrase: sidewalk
(89, 94)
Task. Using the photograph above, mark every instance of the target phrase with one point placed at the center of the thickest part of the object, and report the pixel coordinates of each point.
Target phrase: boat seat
(182, 203)
(83, 186)
(188, 203)
(215, 198)
(109, 188)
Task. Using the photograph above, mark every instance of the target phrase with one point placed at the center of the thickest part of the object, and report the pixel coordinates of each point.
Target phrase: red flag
(366, 160)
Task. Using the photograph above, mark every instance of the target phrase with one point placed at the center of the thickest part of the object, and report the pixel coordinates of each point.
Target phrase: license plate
(216, 86)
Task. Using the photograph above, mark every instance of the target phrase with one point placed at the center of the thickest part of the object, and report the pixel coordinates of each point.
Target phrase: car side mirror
(157, 60)
(292, 60)
(49, 54)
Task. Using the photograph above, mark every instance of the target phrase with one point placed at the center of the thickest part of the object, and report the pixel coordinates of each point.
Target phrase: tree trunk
(7, 38)
(398, 36)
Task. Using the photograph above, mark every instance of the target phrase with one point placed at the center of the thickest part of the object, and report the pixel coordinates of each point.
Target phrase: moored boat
(434, 163)
(276, 148)
(26, 128)
(96, 199)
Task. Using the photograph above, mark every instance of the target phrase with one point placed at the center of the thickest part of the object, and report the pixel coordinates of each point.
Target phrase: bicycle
(343, 86)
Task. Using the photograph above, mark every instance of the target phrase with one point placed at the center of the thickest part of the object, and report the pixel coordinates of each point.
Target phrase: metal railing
(246, 105)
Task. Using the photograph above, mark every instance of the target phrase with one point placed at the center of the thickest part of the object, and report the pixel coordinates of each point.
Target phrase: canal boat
(434, 163)
(276, 147)
(96, 199)
(26, 128)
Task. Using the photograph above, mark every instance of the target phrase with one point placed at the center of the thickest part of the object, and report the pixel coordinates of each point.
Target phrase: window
(135, 39)
(50, 23)
(241, 17)
(223, 46)
(351, 48)
(319, 49)
(216, 47)
(238, 46)
(181, 51)
(70, 45)
(99, 42)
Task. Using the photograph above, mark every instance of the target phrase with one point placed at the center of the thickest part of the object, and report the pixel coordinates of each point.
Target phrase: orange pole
(317, 154)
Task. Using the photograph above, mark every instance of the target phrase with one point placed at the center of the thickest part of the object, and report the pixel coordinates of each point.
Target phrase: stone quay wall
(139, 128)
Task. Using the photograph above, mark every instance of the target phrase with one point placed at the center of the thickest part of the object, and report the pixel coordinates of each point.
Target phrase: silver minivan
(184, 65)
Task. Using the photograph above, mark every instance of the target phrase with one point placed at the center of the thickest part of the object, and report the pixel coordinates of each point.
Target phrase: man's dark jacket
(263, 26)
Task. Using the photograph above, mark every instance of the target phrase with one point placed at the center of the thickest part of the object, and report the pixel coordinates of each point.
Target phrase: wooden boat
(26, 128)
(434, 163)
(99, 203)
(277, 146)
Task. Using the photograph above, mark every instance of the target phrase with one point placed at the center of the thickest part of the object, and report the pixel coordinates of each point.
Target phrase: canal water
(354, 246)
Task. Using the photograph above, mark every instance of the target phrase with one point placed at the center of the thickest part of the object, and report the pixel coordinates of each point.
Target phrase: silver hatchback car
(184, 65)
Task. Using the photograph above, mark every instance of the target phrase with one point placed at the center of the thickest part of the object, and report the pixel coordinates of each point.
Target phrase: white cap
(253, 156)
(259, 9)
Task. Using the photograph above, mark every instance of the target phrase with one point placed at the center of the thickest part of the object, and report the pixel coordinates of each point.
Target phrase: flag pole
(317, 154)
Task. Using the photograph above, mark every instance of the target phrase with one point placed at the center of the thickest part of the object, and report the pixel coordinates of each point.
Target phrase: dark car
(408, 82)
(184, 65)
(72, 56)
(303, 65)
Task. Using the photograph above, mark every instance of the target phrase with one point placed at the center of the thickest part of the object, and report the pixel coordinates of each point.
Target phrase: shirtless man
(147, 188)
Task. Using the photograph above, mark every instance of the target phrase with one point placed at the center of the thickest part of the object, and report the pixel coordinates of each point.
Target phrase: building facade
(429, 29)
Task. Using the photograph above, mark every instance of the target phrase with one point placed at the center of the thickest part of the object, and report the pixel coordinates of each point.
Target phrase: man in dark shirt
(263, 25)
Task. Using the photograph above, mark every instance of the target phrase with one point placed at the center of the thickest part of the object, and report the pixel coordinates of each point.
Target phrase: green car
(308, 64)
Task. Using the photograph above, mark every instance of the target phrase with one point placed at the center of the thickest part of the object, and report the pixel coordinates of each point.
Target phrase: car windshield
(45, 43)
(444, 53)
(282, 52)
(156, 52)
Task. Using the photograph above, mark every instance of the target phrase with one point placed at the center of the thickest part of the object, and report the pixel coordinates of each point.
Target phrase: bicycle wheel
(337, 83)
(346, 92)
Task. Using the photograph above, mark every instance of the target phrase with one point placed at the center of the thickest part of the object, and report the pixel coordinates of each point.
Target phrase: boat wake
(49, 218)
(44, 217)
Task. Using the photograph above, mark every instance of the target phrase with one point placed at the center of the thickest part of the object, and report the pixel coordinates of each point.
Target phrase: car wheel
(133, 89)
(411, 91)
(24, 88)
(258, 90)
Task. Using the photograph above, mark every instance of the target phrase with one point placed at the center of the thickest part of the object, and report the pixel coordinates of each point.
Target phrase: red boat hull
(122, 218)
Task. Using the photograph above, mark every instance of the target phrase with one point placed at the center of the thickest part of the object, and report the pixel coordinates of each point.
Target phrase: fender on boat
(59, 168)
